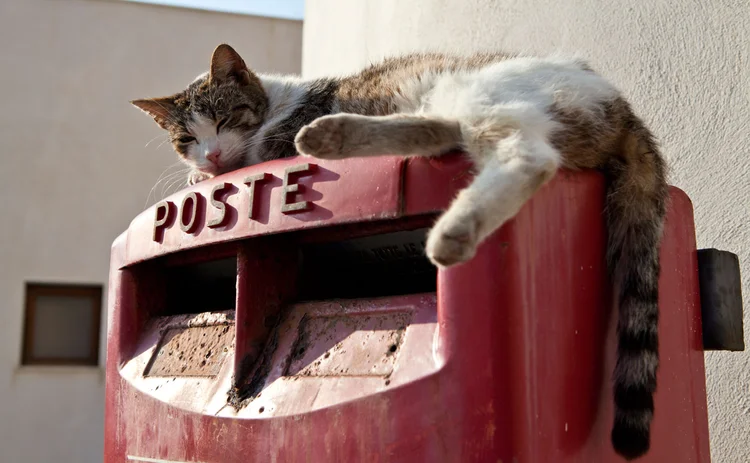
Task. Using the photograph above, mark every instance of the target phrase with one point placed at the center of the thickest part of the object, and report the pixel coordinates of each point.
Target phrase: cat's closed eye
(186, 139)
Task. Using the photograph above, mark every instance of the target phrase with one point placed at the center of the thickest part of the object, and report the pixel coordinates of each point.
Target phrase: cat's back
(398, 68)
(396, 83)
(406, 83)
(536, 81)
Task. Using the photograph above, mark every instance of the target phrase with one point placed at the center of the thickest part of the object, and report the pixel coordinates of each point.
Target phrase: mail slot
(286, 312)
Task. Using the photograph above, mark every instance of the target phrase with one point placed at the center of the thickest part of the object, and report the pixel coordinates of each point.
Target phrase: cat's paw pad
(322, 138)
(196, 176)
(452, 241)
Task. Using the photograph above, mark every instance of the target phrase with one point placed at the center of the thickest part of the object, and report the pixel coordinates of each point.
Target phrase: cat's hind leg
(512, 170)
(344, 135)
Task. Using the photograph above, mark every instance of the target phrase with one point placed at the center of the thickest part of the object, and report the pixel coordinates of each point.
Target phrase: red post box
(285, 312)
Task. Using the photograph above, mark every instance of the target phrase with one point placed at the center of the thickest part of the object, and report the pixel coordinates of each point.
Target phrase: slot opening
(354, 261)
(200, 287)
(378, 265)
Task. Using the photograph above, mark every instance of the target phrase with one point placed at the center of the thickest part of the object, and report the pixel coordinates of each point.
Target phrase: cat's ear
(161, 109)
(227, 63)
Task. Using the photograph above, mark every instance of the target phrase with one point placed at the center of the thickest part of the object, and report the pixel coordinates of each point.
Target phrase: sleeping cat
(520, 119)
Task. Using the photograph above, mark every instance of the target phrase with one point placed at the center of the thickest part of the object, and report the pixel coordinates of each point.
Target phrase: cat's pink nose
(213, 156)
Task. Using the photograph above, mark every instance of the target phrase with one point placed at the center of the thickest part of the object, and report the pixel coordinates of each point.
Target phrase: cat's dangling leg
(343, 135)
(512, 170)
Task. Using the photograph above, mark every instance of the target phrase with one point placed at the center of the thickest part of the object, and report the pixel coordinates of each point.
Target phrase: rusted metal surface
(197, 351)
(355, 345)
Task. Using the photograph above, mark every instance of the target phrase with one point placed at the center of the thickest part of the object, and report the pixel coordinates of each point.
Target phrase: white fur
(207, 140)
(506, 125)
(515, 95)
(285, 94)
(519, 90)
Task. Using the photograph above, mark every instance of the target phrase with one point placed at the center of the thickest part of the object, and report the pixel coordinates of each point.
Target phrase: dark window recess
(205, 287)
(62, 325)
(389, 264)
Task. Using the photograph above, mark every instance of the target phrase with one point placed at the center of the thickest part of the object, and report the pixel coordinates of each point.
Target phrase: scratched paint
(191, 351)
(354, 345)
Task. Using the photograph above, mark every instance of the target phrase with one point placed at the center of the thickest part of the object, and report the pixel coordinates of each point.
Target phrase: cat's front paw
(452, 240)
(322, 138)
(197, 176)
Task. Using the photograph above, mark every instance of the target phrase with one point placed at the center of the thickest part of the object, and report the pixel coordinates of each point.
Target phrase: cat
(520, 119)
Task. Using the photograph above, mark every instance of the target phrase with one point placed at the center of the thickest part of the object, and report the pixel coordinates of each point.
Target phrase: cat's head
(210, 123)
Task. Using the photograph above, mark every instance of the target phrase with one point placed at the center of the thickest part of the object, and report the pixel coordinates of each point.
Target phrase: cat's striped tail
(636, 204)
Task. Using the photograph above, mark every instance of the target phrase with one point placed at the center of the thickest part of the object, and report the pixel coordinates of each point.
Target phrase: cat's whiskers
(167, 180)
(159, 178)
(163, 141)
(164, 178)
(177, 180)
(166, 137)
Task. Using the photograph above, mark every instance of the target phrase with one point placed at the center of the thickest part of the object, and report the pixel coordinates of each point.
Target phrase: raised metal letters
(222, 217)
(194, 212)
(290, 188)
(162, 216)
(189, 225)
(251, 181)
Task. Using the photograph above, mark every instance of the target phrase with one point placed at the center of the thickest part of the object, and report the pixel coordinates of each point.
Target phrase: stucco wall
(74, 171)
(684, 65)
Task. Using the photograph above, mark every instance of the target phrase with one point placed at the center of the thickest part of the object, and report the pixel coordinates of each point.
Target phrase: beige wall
(74, 171)
(685, 66)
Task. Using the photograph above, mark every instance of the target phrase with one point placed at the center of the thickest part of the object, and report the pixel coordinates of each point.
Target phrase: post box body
(312, 357)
